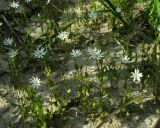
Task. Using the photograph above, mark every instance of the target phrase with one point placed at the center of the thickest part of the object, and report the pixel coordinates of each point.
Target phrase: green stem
(113, 10)
(99, 65)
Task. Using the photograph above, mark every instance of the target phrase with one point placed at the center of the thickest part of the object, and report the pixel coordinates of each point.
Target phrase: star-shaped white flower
(125, 59)
(92, 14)
(76, 53)
(63, 35)
(13, 53)
(136, 75)
(8, 41)
(14, 4)
(39, 52)
(95, 53)
(35, 82)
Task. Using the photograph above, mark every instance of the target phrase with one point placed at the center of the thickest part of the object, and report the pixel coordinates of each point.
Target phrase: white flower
(35, 82)
(76, 53)
(158, 27)
(14, 4)
(8, 41)
(1, 23)
(136, 75)
(95, 53)
(48, 1)
(90, 51)
(92, 14)
(13, 53)
(39, 52)
(27, 1)
(125, 59)
(63, 35)
(118, 9)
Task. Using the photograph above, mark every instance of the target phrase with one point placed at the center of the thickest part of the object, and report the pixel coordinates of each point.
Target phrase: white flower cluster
(98, 55)
(95, 53)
